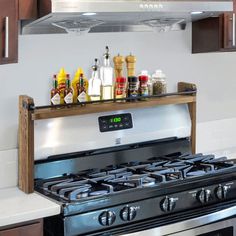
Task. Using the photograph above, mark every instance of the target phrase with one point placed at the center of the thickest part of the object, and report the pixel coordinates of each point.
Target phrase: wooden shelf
(46, 113)
(28, 113)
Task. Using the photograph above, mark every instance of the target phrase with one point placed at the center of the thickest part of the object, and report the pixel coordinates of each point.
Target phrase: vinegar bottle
(94, 88)
(106, 72)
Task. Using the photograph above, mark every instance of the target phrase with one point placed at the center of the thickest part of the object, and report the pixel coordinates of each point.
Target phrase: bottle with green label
(55, 94)
(68, 92)
(82, 93)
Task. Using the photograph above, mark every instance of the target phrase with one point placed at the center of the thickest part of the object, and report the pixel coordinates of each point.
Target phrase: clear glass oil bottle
(106, 73)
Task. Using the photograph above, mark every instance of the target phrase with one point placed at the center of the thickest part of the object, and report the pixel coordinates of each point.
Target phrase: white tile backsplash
(8, 168)
(218, 137)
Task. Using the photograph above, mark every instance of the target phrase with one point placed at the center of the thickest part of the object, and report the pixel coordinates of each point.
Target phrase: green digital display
(115, 120)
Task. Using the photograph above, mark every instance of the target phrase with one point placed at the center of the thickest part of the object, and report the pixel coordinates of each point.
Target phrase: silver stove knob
(128, 213)
(107, 218)
(168, 204)
(221, 192)
(203, 196)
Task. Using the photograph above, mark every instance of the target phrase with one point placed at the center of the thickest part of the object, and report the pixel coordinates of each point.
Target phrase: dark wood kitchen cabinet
(215, 34)
(33, 228)
(8, 31)
(10, 12)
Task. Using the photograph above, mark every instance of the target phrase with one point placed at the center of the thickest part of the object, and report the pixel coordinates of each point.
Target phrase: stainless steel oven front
(220, 223)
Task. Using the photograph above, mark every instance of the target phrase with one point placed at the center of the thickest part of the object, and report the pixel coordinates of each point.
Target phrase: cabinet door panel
(35, 229)
(27, 9)
(8, 31)
(229, 30)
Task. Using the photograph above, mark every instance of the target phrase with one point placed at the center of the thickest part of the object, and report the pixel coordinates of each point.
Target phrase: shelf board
(47, 113)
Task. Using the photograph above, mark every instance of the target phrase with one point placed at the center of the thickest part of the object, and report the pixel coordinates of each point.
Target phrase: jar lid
(143, 78)
(120, 79)
(132, 79)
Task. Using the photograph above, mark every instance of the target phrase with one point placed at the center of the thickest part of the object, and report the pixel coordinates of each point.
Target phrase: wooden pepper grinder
(118, 64)
(130, 60)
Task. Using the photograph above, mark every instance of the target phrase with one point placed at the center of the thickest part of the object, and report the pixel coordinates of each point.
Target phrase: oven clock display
(115, 122)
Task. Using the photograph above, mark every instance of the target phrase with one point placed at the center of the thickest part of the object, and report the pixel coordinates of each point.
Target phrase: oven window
(221, 232)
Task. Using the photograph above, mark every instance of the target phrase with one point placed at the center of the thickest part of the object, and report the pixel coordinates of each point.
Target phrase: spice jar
(133, 86)
(143, 86)
(150, 86)
(159, 83)
(120, 91)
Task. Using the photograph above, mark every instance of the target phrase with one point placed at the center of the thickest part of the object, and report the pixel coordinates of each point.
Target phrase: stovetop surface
(170, 170)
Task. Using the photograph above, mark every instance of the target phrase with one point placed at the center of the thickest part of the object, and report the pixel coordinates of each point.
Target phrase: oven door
(213, 224)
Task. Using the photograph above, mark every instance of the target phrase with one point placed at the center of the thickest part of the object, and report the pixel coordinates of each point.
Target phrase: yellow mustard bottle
(61, 81)
(75, 84)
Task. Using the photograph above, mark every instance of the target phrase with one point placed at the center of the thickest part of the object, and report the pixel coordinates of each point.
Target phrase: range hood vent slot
(77, 27)
(165, 24)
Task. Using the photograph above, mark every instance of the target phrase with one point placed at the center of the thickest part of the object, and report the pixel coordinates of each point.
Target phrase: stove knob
(203, 196)
(128, 213)
(221, 192)
(168, 204)
(107, 218)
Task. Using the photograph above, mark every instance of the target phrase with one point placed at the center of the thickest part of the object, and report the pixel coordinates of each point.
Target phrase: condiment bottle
(133, 87)
(143, 86)
(118, 65)
(131, 64)
(106, 73)
(61, 82)
(94, 88)
(82, 93)
(120, 91)
(55, 96)
(75, 83)
(68, 92)
(150, 85)
(159, 83)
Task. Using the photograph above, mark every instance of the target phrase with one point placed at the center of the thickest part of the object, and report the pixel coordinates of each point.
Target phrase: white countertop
(17, 207)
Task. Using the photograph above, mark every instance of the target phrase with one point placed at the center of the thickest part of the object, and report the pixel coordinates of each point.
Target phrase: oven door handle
(187, 224)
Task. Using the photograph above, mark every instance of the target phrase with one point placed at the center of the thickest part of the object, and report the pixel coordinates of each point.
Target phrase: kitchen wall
(40, 56)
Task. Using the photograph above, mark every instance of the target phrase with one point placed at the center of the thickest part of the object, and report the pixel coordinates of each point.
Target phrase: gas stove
(155, 172)
(132, 187)
(101, 200)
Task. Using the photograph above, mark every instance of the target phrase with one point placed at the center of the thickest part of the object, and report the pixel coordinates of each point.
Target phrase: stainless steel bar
(191, 92)
(233, 30)
(188, 224)
(6, 52)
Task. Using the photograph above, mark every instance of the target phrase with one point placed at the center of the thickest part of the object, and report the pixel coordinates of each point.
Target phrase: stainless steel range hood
(82, 16)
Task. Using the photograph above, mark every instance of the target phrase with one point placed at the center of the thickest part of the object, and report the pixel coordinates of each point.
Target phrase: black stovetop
(134, 177)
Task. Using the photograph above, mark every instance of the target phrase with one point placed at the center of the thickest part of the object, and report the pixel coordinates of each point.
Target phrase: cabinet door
(35, 229)
(229, 30)
(8, 31)
(28, 9)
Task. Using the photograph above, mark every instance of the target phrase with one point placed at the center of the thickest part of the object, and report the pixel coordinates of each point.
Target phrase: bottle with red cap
(120, 91)
(143, 86)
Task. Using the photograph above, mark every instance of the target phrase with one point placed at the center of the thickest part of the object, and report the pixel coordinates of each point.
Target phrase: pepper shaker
(131, 64)
(118, 64)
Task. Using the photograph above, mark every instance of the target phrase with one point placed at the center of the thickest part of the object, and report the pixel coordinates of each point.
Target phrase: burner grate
(114, 179)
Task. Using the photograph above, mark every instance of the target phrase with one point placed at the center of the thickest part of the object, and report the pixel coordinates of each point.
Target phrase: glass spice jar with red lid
(120, 90)
(143, 87)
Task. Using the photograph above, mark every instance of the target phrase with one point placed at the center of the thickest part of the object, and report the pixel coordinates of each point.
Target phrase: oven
(132, 173)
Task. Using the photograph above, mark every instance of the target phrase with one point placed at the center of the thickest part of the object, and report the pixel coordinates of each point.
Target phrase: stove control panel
(152, 207)
(115, 122)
